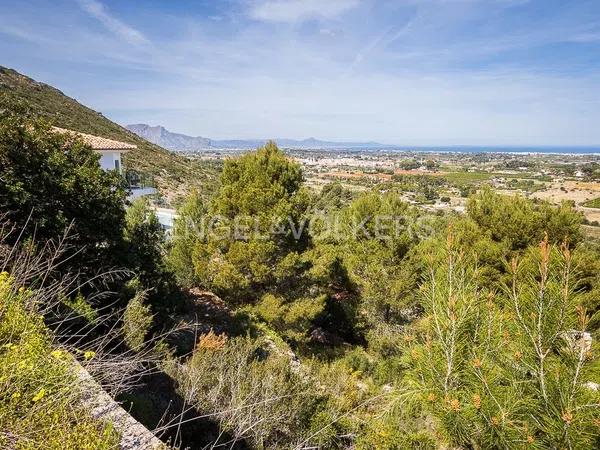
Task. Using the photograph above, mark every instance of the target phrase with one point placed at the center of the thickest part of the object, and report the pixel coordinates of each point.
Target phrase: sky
(406, 72)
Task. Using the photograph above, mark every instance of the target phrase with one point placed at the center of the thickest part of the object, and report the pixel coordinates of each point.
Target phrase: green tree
(50, 182)
(520, 222)
(379, 238)
(507, 369)
(257, 219)
(186, 232)
(137, 321)
(332, 197)
(144, 243)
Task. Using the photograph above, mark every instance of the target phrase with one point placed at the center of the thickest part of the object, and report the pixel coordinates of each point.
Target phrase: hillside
(173, 174)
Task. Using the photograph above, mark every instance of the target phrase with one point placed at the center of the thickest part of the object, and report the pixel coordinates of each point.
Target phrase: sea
(480, 149)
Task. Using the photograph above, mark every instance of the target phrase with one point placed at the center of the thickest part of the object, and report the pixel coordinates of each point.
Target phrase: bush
(250, 390)
(386, 435)
(145, 241)
(186, 232)
(521, 222)
(38, 388)
(291, 319)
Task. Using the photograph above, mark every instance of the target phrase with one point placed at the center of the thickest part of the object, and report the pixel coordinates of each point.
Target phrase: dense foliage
(345, 319)
(52, 182)
(38, 388)
(507, 368)
(53, 189)
(438, 353)
(253, 217)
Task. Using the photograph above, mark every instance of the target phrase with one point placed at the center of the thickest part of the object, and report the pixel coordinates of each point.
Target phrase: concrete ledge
(134, 436)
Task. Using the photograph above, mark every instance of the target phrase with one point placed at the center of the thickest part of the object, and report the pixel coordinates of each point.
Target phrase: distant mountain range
(180, 142)
(173, 141)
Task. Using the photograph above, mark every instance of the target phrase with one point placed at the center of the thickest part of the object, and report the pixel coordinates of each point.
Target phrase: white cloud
(343, 79)
(299, 10)
(99, 12)
(441, 109)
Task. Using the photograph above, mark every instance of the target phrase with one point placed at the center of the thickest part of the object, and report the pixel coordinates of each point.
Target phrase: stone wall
(134, 436)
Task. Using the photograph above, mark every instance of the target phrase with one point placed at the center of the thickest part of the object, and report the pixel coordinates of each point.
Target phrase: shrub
(145, 241)
(386, 435)
(291, 319)
(211, 341)
(521, 222)
(252, 391)
(186, 232)
(81, 308)
(38, 388)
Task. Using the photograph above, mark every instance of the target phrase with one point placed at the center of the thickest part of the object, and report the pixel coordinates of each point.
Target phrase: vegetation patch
(594, 203)
(38, 387)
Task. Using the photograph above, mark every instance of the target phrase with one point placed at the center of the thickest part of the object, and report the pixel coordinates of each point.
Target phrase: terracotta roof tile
(97, 142)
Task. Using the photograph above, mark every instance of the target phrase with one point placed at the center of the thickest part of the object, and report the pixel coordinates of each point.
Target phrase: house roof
(96, 142)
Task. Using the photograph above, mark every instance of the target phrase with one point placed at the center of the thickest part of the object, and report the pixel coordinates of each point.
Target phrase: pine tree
(506, 369)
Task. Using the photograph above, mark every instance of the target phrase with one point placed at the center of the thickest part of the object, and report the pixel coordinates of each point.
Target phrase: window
(118, 165)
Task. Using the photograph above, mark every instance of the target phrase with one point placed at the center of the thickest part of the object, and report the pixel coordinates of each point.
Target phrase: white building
(110, 151)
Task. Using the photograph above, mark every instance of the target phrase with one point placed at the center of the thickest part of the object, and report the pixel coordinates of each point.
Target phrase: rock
(578, 341)
(321, 336)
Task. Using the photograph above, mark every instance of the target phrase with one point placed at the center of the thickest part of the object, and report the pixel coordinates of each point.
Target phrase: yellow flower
(58, 354)
(40, 395)
(16, 396)
(530, 439)
(89, 355)
(431, 397)
(476, 363)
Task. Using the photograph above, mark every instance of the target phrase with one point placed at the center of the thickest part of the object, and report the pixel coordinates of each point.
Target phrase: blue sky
(414, 72)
